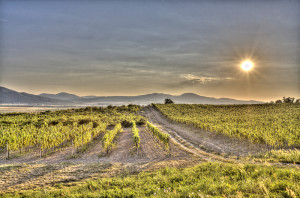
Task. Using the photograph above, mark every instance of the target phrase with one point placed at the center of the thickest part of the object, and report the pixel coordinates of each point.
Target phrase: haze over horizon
(113, 48)
(45, 94)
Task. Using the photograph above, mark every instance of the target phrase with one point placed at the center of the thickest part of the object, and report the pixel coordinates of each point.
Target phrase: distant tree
(168, 101)
(278, 101)
(288, 100)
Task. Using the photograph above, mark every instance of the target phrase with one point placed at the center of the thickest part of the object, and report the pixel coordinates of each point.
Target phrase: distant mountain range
(8, 96)
(11, 97)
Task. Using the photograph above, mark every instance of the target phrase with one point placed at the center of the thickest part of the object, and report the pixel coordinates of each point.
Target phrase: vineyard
(127, 151)
(277, 125)
(52, 130)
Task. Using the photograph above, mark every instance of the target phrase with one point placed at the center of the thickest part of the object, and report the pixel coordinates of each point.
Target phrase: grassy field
(277, 125)
(203, 180)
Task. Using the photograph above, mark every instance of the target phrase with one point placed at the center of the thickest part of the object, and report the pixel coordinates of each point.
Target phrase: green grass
(212, 179)
(283, 155)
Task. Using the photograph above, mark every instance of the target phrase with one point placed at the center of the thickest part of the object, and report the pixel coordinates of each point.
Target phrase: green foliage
(163, 137)
(283, 155)
(135, 135)
(49, 130)
(108, 138)
(275, 124)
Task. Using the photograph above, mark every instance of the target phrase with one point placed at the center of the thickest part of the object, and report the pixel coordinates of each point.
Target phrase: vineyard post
(7, 150)
(72, 146)
(266, 144)
(82, 137)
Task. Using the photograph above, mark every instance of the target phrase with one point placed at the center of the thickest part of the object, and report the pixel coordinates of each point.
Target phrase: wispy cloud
(202, 79)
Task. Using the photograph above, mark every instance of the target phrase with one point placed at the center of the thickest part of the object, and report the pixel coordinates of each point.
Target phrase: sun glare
(247, 65)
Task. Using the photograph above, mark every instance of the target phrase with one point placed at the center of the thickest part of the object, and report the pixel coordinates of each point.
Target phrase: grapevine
(109, 137)
(136, 136)
(163, 137)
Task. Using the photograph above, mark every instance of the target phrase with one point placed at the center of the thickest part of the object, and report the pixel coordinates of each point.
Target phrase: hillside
(8, 96)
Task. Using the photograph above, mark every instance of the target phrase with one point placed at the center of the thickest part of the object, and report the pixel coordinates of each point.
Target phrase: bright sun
(247, 65)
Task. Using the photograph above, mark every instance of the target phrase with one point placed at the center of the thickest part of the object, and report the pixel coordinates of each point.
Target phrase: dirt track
(200, 140)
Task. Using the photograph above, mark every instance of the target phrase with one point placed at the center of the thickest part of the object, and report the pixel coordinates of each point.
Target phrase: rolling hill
(12, 97)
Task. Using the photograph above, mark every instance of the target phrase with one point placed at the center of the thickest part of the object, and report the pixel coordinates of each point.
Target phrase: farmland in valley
(134, 151)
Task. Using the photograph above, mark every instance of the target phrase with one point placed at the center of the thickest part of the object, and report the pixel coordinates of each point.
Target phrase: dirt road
(202, 141)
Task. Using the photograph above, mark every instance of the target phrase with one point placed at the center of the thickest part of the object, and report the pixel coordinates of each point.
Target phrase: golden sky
(133, 48)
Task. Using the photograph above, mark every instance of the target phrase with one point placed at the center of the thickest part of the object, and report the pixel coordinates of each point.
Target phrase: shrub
(141, 121)
(126, 123)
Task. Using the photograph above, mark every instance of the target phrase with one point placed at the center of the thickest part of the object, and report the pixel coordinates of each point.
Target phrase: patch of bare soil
(28, 176)
(199, 139)
(14, 178)
(124, 149)
(151, 149)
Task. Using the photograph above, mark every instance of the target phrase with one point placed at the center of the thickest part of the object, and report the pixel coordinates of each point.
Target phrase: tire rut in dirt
(150, 148)
(190, 143)
(124, 148)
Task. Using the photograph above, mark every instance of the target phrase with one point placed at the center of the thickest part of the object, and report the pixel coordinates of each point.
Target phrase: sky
(108, 48)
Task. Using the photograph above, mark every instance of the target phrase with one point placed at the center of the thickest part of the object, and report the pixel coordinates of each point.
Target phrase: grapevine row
(109, 137)
(135, 135)
(47, 137)
(163, 137)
